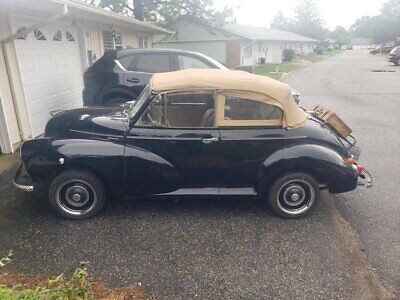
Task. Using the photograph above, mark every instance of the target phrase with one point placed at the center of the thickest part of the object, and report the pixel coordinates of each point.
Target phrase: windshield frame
(135, 106)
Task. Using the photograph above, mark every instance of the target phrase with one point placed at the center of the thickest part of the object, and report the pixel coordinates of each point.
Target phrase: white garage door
(50, 64)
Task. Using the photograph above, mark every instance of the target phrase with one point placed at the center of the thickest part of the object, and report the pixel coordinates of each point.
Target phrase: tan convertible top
(233, 83)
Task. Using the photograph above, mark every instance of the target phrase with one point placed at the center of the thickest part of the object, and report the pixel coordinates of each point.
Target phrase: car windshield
(134, 107)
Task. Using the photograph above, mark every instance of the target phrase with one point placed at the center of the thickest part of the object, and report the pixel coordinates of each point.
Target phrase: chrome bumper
(365, 179)
(22, 180)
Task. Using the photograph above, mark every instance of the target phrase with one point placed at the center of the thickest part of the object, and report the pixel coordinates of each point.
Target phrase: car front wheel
(77, 194)
(293, 195)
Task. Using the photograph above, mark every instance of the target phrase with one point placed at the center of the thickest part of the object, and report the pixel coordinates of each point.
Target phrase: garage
(50, 68)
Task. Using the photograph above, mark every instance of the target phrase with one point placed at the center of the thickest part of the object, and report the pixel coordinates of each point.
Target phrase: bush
(288, 54)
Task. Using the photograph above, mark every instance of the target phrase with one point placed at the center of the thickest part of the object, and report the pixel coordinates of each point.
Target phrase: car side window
(180, 110)
(153, 63)
(247, 109)
(126, 61)
(188, 62)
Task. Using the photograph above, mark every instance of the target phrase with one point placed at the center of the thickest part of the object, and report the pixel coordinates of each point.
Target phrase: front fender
(45, 158)
(328, 166)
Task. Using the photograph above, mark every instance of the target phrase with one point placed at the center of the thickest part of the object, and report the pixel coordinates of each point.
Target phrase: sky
(333, 12)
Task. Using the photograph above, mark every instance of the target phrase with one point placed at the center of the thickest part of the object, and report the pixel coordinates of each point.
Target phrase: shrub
(288, 54)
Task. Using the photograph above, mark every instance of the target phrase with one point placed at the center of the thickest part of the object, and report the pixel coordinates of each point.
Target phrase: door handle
(133, 80)
(209, 140)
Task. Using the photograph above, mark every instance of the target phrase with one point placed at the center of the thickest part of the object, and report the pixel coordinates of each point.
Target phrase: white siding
(213, 49)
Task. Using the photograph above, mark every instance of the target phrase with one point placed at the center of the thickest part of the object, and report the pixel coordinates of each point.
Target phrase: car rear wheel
(293, 195)
(77, 194)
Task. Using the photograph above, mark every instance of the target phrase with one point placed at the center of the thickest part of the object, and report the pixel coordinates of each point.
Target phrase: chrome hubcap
(295, 196)
(76, 197)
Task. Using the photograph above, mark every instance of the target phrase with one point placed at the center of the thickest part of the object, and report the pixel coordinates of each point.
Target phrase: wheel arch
(117, 91)
(326, 165)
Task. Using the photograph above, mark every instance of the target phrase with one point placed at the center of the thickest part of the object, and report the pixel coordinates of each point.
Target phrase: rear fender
(326, 165)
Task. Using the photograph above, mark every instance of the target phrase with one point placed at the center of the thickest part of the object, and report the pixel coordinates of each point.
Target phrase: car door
(174, 147)
(144, 65)
(250, 132)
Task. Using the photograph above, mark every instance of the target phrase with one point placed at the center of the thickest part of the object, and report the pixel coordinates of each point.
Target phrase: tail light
(360, 169)
(351, 160)
(88, 75)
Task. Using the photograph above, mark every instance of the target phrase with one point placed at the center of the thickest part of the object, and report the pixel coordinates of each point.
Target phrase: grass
(269, 70)
(316, 58)
(74, 287)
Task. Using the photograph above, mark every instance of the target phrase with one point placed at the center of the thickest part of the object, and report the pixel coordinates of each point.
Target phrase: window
(143, 41)
(39, 35)
(126, 61)
(250, 110)
(57, 36)
(187, 62)
(70, 37)
(153, 63)
(180, 110)
(117, 41)
(112, 40)
(22, 37)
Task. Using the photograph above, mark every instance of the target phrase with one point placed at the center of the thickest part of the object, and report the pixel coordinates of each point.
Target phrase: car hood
(93, 122)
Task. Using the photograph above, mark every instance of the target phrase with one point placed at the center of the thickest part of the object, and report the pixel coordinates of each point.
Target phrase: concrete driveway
(215, 248)
(369, 101)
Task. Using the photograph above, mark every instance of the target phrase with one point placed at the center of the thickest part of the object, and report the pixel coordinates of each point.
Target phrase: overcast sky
(334, 12)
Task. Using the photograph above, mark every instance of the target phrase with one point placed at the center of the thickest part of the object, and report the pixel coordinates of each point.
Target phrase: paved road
(370, 103)
(214, 248)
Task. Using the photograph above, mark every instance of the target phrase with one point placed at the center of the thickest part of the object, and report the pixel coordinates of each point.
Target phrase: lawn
(316, 58)
(269, 70)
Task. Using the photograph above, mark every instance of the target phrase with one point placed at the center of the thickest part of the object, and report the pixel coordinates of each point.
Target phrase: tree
(308, 21)
(341, 35)
(281, 22)
(167, 12)
(381, 28)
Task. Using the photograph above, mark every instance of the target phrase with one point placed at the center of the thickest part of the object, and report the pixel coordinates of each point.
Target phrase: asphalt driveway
(352, 85)
(206, 248)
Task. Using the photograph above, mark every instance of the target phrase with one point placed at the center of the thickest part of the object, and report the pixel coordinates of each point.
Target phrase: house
(45, 47)
(235, 44)
(361, 43)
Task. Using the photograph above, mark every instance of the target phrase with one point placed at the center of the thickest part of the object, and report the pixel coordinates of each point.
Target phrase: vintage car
(191, 132)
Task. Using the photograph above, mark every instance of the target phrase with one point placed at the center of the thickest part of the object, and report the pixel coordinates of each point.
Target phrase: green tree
(378, 28)
(281, 22)
(308, 21)
(167, 12)
(341, 35)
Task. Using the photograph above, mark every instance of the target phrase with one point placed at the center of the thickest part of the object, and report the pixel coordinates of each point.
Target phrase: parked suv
(118, 77)
(121, 76)
(394, 56)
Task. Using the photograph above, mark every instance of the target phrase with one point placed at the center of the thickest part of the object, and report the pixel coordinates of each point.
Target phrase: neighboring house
(46, 46)
(361, 43)
(332, 44)
(235, 44)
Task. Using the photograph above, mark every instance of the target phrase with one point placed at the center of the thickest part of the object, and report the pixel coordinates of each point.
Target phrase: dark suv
(394, 56)
(118, 77)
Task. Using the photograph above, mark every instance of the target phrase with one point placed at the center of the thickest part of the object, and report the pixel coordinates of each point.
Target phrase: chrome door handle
(209, 140)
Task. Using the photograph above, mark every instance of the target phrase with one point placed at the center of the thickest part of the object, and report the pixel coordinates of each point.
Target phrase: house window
(112, 40)
(70, 37)
(22, 37)
(143, 41)
(39, 35)
(57, 36)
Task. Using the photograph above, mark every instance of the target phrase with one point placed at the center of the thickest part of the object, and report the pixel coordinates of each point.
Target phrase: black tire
(293, 195)
(77, 194)
(397, 62)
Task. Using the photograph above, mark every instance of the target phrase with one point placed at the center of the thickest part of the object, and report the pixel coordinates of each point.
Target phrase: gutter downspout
(245, 47)
(7, 63)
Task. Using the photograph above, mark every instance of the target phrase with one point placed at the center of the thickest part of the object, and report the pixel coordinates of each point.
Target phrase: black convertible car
(192, 132)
